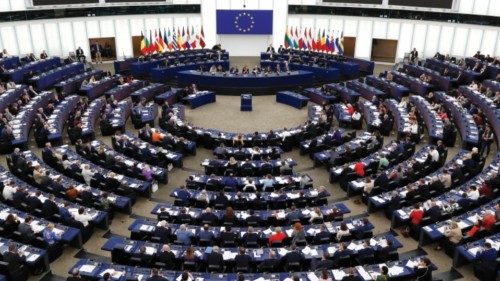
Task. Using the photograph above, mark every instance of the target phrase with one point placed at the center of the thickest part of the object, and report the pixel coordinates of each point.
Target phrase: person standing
(97, 49)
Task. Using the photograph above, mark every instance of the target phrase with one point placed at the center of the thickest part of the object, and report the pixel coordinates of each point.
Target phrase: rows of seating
(143, 114)
(96, 173)
(422, 188)
(73, 84)
(443, 83)
(468, 129)
(325, 141)
(400, 116)
(116, 120)
(249, 168)
(120, 92)
(48, 79)
(58, 119)
(243, 153)
(166, 140)
(100, 153)
(142, 151)
(10, 96)
(98, 88)
(390, 88)
(431, 119)
(366, 91)
(21, 124)
(220, 200)
(88, 121)
(414, 84)
(371, 114)
(18, 74)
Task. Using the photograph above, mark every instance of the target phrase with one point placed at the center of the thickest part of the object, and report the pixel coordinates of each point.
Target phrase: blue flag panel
(245, 22)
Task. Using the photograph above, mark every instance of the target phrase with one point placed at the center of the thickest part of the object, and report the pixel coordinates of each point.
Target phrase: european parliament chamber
(257, 140)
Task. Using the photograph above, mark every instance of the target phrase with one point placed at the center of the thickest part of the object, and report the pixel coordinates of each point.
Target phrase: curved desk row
(160, 73)
(255, 84)
(329, 74)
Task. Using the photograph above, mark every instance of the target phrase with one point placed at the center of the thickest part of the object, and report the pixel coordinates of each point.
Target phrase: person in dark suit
(342, 252)
(221, 200)
(208, 217)
(464, 202)
(242, 260)
(270, 49)
(366, 252)
(422, 270)
(206, 235)
(485, 266)
(384, 253)
(253, 219)
(227, 235)
(325, 262)
(163, 231)
(166, 257)
(215, 260)
(183, 195)
(269, 264)
(49, 207)
(434, 212)
(184, 216)
(322, 235)
(155, 276)
(33, 200)
(27, 234)
(80, 55)
(251, 237)
(97, 51)
(14, 258)
(145, 258)
(414, 55)
(294, 256)
(293, 215)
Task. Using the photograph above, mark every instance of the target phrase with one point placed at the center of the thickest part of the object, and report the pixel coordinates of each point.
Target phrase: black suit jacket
(14, 260)
(49, 208)
(215, 259)
(242, 260)
(324, 264)
(167, 258)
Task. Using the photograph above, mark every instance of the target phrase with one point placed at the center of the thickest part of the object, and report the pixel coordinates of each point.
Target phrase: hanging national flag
(339, 43)
(175, 44)
(179, 39)
(202, 38)
(318, 41)
(287, 39)
(152, 47)
(187, 38)
(332, 43)
(144, 45)
(323, 41)
(193, 38)
(166, 42)
(295, 39)
(310, 42)
(159, 41)
(301, 40)
(304, 39)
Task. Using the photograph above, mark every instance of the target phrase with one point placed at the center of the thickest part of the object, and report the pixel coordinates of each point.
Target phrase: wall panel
(123, 38)
(466, 6)
(474, 41)
(490, 38)
(265, 5)
(494, 8)
(53, 38)
(38, 38)
(4, 5)
(66, 33)
(9, 41)
(393, 30)
(137, 26)
(350, 27)
(431, 40)
(17, 5)
(459, 41)
(364, 40)
(481, 7)
(405, 39)
(380, 29)
(80, 36)
(107, 28)
(93, 29)
(24, 39)
(446, 39)
(419, 34)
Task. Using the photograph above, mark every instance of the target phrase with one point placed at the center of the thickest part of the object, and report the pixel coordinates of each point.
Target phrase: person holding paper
(422, 270)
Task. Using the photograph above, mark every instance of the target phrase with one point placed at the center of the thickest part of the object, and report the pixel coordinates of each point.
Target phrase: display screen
(63, 2)
(378, 2)
(445, 4)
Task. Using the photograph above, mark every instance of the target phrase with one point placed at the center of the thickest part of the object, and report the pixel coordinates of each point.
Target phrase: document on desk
(364, 274)
(395, 270)
(87, 268)
(312, 277)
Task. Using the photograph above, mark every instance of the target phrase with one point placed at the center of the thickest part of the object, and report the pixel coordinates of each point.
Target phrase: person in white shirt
(203, 196)
(82, 217)
(434, 155)
(356, 116)
(8, 191)
(315, 213)
(249, 187)
(446, 179)
(473, 193)
(87, 174)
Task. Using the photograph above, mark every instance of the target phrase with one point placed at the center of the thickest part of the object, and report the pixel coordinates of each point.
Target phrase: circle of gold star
(237, 22)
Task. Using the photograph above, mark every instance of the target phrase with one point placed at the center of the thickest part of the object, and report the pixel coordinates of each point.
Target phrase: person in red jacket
(276, 236)
(416, 215)
(359, 169)
(488, 221)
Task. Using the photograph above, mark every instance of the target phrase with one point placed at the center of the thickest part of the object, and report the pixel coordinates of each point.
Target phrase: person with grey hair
(215, 260)
(184, 235)
(166, 257)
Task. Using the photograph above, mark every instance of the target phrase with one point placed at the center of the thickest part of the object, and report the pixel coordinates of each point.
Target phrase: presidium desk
(260, 84)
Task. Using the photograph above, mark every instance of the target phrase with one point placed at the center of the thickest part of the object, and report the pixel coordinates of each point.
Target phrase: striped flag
(202, 38)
